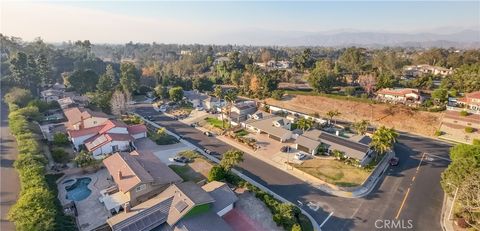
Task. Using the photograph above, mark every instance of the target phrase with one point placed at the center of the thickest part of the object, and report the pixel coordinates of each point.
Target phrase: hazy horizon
(246, 23)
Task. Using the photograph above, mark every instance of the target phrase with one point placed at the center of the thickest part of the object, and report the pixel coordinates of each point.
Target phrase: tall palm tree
(231, 96)
(332, 114)
(383, 140)
(361, 127)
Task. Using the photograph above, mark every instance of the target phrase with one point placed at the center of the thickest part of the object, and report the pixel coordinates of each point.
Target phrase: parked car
(200, 108)
(300, 156)
(193, 125)
(180, 159)
(285, 149)
(394, 161)
(208, 134)
(207, 151)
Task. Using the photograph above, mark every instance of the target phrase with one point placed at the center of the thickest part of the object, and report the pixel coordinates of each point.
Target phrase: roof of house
(206, 221)
(267, 126)
(130, 169)
(307, 142)
(475, 95)
(75, 114)
(99, 140)
(85, 131)
(350, 148)
(167, 210)
(221, 193)
(109, 124)
(137, 128)
(397, 91)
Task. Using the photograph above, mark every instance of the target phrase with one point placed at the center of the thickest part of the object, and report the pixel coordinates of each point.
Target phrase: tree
(236, 77)
(278, 94)
(218, 92)
(44, 70)
(468, 199)
(129, 77)
(85, 159)
(118, 102)
(385, 80)
(367, 82)
(107, 80)
(18, 96)
(34, 210)
(255, 85)
(202, 84)
(60, 139)
(176, 93)
(60, 155)
(464, 79)
(322, 77)
(217, 173)
(305, 124)
(350, 91)
(361, 127)
(383, 139)
(231, 158)
(440, 95)
(333, 113)
(353, 60)
(19, 69)
(82, 81)
(161, 92)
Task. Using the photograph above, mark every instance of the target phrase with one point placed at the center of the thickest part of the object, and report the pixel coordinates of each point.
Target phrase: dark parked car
(208, 134)
(394, 161)
(285, 149)
(181, 159)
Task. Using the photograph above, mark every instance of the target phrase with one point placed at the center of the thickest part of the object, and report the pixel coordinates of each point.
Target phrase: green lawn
(215, 122)
(241, 133)
(334, 172)
(186, 173)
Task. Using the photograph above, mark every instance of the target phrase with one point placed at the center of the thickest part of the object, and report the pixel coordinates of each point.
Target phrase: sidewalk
(446, 223)
(315, 182)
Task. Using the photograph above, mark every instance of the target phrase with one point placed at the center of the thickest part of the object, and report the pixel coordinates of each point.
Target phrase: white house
(276, 127)
(399, 95)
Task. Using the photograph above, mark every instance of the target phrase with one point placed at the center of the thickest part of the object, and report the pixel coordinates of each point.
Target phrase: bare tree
(367, 82)
(119, 102)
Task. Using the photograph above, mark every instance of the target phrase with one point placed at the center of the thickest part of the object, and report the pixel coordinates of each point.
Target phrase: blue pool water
(79, 191)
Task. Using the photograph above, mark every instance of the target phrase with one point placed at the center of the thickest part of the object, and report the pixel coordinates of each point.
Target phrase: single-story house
(357, 148)
(182, 206)
(471, 101)
(276, 127)
(399, 95)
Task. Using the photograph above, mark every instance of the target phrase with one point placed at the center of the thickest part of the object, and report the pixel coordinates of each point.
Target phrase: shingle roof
(85, 131)
(99, 140)
(267, 126)
(307, 142)
(137, 128)
(109, 124)
(350, 148)
(221, 193)
(208, 221)
(129, 170)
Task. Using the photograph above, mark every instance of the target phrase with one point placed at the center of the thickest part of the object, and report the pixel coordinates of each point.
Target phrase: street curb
(315, 225)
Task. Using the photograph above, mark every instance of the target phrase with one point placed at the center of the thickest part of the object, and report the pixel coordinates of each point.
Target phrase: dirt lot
(400, 117)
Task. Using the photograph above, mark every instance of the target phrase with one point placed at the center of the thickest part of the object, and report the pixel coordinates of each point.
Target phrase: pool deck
(91, 213)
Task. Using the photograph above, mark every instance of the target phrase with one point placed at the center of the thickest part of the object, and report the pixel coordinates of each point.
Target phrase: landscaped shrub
(438, 133)
(476, 142)
(162, 138)
(60, 139)
(217, 173)
(85, 159)
(60, 155)
(464, 113)
(469, 129)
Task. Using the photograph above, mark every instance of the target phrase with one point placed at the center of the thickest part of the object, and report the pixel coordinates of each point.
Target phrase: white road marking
(326, 219)
(313, 206)
(439, 157)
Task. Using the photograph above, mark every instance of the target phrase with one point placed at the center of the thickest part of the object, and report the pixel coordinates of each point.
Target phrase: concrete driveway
(270, 148)
(195, 116)
(162, 152)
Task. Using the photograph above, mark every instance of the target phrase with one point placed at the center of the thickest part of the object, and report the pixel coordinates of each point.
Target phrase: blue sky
(159, 21)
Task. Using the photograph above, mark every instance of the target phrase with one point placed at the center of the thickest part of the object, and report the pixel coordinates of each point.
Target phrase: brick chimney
(120, 174)
(126, 207)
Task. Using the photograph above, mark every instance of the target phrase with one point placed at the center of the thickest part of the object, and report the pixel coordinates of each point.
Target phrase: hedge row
(35, 208)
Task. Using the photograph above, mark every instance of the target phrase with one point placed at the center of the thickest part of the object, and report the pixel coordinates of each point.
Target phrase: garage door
(274, 137)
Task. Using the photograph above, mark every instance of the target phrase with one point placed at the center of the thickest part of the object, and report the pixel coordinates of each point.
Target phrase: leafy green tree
(385, 80)
(353, 60)
(82, 81)
(85, 159)
(322, 78)
(383, 139)
(176, 93)
(19, 69)
(231, 158)
(44, 70)
(236, 77)
(107, 80)
(60, 155)
(218, 92)
(101, 99)
(202, 84)
(18, 96)
(464, 79)
(60, 139)
(129, 77)
(161, 92)
(277, 94)
(305, 124)
(361, 127)
(217, 173)
(350, 91)
(440, 95)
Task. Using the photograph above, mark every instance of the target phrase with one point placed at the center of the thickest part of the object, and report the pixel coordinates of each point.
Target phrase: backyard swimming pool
(79, 190)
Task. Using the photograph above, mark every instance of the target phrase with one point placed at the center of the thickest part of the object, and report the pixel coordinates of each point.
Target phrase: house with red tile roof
(471, 101)
(111, 136)
(399, 95)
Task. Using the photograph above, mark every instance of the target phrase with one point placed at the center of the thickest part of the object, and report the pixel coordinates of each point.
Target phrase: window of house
(94, 122)
(140, 188)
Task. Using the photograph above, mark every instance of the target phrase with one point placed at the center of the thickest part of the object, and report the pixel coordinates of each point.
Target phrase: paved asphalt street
(9, 182)
(409, 192)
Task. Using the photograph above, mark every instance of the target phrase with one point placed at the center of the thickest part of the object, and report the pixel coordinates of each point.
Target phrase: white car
(163, 108)
(199, 108)
(300, 156)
